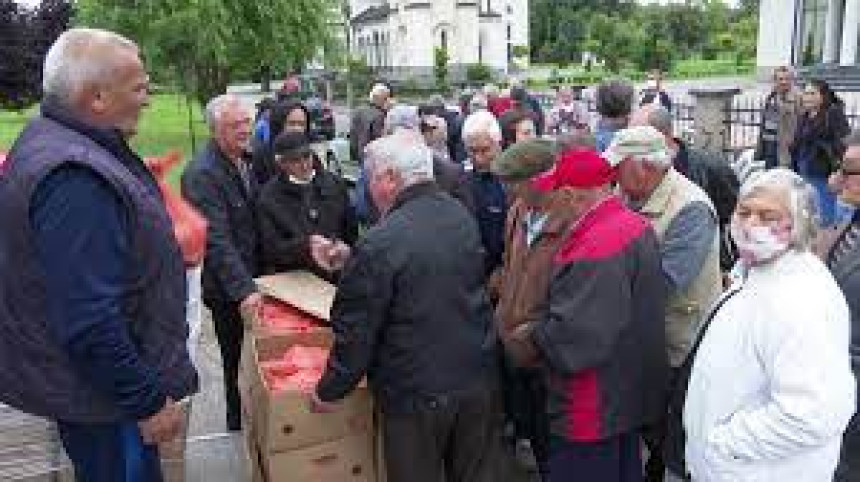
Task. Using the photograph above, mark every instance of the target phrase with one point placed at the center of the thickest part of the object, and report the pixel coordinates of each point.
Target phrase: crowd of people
(594, 300)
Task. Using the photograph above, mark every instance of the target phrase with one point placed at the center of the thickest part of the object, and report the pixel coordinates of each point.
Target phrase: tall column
(831, 32)
(711, 118)
(850, 33)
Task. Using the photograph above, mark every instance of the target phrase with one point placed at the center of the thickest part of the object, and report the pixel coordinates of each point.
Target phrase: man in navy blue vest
(92, 322)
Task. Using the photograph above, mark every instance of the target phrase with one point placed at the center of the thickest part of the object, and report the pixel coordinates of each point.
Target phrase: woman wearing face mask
(302, 208)
(769, 382)
(818, 148)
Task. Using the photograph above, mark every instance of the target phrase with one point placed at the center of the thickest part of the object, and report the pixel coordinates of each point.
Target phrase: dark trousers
(110, 453)
(849, 463)
(445, 439)
(229, 330)
(525, 395)
(617, 459)
(654, 435)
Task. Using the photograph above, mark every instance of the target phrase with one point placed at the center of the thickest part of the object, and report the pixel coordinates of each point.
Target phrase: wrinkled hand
(164, 426)
(327, 254)
(339, 254)
(251, 307)
(319, 406)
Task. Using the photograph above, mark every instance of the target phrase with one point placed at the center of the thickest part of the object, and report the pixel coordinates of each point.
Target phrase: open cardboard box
(283, 421)
(301, 289)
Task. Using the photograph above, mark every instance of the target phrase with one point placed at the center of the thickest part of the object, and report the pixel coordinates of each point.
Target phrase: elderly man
(219, 182)
(779, 120)
(92, 306)
(686, 224)
(483, 138)
(840, 250)
(600, 334)
(367, 121)
(411, 313)
(709, 171)
(536, 225)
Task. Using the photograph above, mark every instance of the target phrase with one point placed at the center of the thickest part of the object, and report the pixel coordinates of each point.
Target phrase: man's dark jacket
(411, 311)
(212, 183)
(712, 173)
(367, 125)
(36, 374)
(289, 213)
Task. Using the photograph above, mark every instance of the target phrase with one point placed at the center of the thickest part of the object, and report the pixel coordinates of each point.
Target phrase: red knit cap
(581, 168)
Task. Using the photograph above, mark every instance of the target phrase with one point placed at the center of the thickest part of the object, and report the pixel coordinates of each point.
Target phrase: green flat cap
(525, 159)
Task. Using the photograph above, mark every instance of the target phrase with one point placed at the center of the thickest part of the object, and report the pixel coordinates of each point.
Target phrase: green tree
(203, 44)
(440, 67)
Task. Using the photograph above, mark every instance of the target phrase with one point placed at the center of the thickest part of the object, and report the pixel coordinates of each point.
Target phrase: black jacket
(411, 311)
(213, 185)
(712, 173)
(820, 140)
(289, 213)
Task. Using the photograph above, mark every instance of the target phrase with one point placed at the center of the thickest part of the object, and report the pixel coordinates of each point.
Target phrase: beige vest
(686, 308)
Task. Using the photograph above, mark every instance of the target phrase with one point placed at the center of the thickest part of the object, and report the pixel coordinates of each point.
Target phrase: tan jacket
(686, 308)
(523, 280)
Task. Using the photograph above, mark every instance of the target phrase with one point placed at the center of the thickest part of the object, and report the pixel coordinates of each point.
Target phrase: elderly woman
(770, 385)
(483, 138)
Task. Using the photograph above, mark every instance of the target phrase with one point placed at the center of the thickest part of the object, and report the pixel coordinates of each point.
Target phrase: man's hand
(251, 307)
(164, 426)
(327, 254)
(319, 406)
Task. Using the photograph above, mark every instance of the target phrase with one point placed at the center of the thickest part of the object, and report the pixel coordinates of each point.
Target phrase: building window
(510, 9)
(813, 27)
(443, 40)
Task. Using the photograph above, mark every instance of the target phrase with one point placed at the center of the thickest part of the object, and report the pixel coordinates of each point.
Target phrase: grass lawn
(163, 126)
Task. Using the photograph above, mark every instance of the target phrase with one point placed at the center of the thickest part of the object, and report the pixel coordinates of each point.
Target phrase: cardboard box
(259, 327)
(301, 289)
(283, 421)
(348, 459)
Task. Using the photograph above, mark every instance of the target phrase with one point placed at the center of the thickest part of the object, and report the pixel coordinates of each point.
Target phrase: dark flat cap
(525, 159)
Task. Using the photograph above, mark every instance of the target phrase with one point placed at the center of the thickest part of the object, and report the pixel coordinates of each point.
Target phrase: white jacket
(771, 389)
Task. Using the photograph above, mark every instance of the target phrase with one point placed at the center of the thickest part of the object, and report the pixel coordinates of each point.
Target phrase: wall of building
(775, 34)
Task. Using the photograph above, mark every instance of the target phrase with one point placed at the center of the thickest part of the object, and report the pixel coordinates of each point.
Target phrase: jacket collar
(558, 211)
(109, 139)
(230, 167)
(321, 182)
(413, 192)
(662, 195)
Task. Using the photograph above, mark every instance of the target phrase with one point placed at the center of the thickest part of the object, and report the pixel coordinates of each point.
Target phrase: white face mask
(757, 244)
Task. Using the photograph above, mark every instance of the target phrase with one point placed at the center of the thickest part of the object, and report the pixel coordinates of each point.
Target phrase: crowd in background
(594, 299)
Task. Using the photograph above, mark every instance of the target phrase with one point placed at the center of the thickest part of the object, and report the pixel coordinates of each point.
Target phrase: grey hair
(482, 123)
(615, 98)
(800, 197)
(77, 59)
(660, 119)
(379, 90)
(215, 109)
(578, 139)
(478, 102)
(411, 159)
(402, 116)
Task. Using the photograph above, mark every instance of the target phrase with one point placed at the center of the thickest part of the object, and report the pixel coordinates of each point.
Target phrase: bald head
(655, 116)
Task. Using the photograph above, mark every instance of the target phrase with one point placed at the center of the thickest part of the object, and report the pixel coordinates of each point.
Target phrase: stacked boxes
(286, 441)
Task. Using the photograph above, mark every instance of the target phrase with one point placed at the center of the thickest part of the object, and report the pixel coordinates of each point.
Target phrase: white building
(400, 36)
(808, 32)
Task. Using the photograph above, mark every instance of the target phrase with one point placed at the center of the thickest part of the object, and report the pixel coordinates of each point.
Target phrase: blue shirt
(80, 232)
(491, 211)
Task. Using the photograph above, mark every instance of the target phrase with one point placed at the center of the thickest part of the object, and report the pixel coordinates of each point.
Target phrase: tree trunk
(266, 79)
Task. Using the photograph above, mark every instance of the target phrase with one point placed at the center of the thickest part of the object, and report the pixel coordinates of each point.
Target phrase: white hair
(81, 57)
(799, 196)
(478, 102)
(215, 108)
(379, 90)
(482, 123)
(402, 116)
(406, 155)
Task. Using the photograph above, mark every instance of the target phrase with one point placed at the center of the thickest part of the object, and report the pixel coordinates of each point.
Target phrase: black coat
(289, 213)
(411, 311)
(213, 185)
(821, 139)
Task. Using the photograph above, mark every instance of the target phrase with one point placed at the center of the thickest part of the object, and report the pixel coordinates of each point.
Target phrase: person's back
(436, 338)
